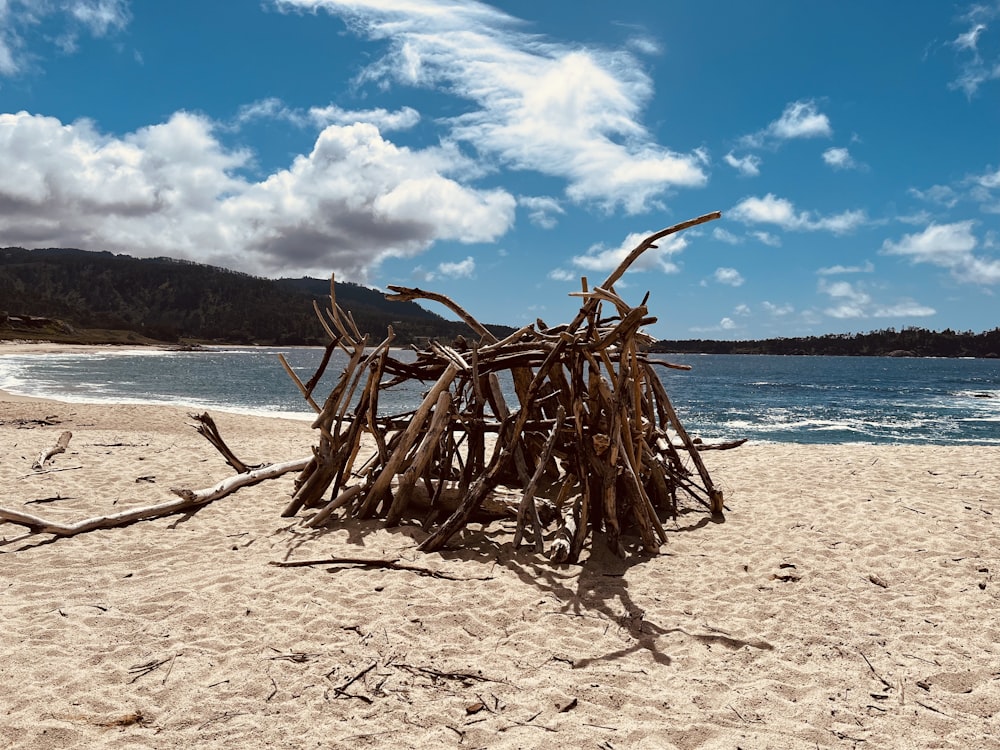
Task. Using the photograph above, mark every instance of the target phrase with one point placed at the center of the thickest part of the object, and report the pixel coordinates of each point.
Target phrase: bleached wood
(60, 447)
(187, 499)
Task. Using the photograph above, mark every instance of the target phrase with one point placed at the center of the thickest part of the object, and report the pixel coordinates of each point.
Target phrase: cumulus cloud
(850, 301)
(571, 112)
(463, 269)
(602, 258)
(728, 276)
(799, 119)
(779, 211)
(748, 166)
(777, 310)
(839, 158)
(20, 20)
(173, 189)
(542, 210)
(942, 195)
(948, 246)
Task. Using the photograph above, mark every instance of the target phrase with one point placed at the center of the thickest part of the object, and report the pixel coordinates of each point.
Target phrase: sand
(850, 599)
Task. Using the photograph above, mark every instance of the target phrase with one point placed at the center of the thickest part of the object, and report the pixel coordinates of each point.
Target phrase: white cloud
(839, 158)
(868, 267)
(727, 324)
(464, 269)
(601, 258)
(748, 165)
(777, 310)
(849, 301)
(561, 274)
(742, 310)
(21, 18)
(542, 210)
(728, 276)
(906, 308)
(724, 235)
(173, 189)
(990, 180)
(852, 301)
(976, 66)
(779, 211)
(766, 238)
(565, 111)
(273, 108)
(942, 195)
(800, 119)
(948, 246)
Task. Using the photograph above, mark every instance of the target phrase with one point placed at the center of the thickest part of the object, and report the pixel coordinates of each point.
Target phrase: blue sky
(498, 152)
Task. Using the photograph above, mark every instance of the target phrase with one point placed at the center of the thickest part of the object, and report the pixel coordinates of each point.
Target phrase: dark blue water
(725, 397)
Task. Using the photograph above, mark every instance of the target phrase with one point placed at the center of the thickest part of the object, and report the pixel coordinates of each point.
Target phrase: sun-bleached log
(187, 500)
(60, 447)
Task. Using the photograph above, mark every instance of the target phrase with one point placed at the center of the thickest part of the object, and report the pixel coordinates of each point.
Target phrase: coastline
(851, 594)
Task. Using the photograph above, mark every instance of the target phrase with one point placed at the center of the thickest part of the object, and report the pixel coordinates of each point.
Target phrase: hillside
(89, 296)
(909, 342)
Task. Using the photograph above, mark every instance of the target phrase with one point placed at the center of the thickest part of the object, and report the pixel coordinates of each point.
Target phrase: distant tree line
(170, 300)
(908, 342)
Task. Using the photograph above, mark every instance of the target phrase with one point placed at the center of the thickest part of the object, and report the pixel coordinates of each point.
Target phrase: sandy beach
(850, 599)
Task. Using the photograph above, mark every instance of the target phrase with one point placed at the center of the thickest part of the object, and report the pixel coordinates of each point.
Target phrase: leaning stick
(188, 499)
(306, 393)
(405, 294)
(207, 428)
(59, 447)
(408, 438)
(527, 505)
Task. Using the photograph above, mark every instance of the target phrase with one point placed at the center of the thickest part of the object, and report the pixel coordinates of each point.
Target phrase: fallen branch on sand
(60, 447)
(368, 562)
(188, 499)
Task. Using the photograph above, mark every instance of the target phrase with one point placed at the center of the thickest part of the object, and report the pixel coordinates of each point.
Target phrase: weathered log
(188, 499)
(60, 447)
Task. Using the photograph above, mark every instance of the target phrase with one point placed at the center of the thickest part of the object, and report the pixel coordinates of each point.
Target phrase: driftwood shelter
(592, 445)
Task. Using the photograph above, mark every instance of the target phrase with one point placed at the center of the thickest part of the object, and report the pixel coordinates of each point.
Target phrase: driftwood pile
(593, 437)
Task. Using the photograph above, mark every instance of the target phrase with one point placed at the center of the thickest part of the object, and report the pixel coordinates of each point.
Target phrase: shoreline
(852, 591)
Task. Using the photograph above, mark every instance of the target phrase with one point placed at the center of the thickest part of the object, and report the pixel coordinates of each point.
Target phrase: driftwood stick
(314, 380)
(405, 294)
(381, 484)
(188, 499)
(528, 501)
(423, 454)
(60, 447)
(306, 392)
(230, 485)
(560, 549)
(340, 501)
(714, 494)
(207, 428)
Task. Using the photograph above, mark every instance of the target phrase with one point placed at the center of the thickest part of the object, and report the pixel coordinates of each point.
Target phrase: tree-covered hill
(171, 300)
(909, 342)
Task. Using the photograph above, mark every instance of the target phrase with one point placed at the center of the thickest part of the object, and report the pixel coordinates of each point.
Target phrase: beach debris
(593, 436)
(878, 580)
(60, 447)
(207, 428)
(187, 500)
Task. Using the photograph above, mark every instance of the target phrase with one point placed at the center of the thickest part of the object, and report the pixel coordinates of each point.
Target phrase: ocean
(724, 397)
